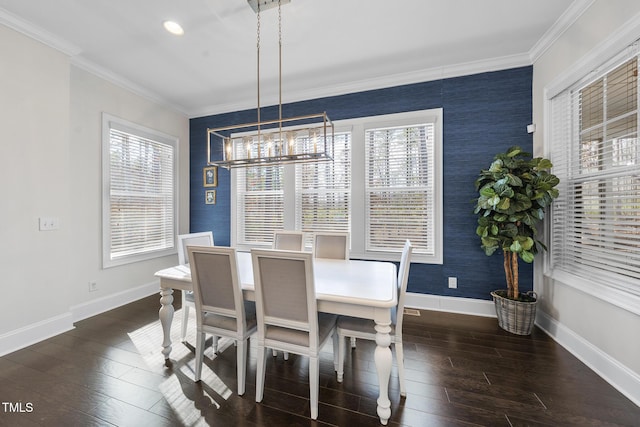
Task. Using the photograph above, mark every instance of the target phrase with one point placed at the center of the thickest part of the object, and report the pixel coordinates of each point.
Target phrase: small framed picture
(210, 197)
(210, 176)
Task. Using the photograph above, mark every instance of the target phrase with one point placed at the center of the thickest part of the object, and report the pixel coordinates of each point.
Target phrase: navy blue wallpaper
(483, 114)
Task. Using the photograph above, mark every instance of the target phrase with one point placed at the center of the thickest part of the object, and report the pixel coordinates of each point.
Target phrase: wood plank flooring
(461, 371)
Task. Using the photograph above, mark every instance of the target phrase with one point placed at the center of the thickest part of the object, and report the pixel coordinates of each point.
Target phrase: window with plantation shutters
(139, 193)
(400, 187)
(383, 186)
(596, 154)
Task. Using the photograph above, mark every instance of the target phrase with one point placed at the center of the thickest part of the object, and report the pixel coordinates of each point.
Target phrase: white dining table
(366, 289)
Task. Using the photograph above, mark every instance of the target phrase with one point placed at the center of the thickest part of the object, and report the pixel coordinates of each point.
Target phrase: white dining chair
(365, 328)
(333, 245)
(288, 240)
(288, 319)
(204, 238)
(220, 307)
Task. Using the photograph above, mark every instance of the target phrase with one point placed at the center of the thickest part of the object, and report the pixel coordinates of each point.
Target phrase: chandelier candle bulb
(227, 149)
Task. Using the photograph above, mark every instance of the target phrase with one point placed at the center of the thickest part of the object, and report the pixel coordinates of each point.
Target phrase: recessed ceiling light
(173, 28)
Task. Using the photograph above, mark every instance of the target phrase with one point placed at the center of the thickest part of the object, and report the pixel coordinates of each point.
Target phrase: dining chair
(333, 245)
(220, 307)
(204, 238)
(365, 328)
(288, 318)
(288, 240)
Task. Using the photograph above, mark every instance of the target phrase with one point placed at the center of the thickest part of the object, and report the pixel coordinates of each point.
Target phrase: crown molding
(73, 52)
(118, 80)
(400, 79)
(563, 23)
(29, 29)
(619, 39)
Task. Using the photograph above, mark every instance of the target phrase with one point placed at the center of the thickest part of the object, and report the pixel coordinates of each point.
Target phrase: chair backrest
(285, 292)
(331, 245)
(204, 238)
(216, 289)
(288, 240)
(403, 279)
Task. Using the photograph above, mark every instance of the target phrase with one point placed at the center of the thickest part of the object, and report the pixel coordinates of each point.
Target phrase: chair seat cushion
(326, 324)
(229, 323)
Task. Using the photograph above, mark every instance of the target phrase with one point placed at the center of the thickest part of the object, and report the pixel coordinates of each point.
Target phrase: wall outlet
(48, 223)
(93, 286)
(453, 282)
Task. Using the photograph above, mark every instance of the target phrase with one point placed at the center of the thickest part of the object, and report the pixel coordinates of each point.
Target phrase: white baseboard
(109, 302)
(619, 376)
(34, 333)
(470, 306)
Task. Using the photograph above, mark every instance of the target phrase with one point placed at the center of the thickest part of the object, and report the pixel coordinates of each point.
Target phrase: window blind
(323, 191)
(383, 186)
(596, 155)
(260, 208)
(400, 187)
(141, 195)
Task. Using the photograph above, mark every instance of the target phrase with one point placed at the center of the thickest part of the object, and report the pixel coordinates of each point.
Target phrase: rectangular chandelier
(290, 140)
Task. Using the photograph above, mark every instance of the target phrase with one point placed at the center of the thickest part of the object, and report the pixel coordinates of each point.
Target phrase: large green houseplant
(513, 195)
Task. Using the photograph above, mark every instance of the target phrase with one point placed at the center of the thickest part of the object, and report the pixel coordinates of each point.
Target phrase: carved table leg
(166, 317)
(382, 358)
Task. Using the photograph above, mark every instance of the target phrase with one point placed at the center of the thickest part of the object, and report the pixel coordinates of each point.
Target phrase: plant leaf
(527, 256)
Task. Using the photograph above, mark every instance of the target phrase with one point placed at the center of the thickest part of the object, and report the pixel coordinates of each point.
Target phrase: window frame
(607, 286)
(358, 233)
(110, 122)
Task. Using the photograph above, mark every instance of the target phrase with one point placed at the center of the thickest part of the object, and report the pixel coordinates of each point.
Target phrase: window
(139, 192)
(323, 191)
(596, 155)
(383, 186)
(260, 207)
(400, 177)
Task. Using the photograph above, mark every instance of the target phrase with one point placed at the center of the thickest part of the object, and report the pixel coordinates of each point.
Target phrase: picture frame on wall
(210, 176)
(210, 197)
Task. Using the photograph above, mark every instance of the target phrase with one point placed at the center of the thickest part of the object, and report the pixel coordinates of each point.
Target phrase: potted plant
(513, 195)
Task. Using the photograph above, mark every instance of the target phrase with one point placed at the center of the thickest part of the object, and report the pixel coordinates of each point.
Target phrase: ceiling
(329, 46)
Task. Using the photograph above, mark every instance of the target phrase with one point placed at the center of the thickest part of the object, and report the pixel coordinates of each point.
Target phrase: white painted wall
(50, 136)
(34, 178)
(602, 334)
(90, 96)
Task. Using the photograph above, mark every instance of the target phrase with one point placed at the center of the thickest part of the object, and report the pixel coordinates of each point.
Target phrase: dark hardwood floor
(461, 371)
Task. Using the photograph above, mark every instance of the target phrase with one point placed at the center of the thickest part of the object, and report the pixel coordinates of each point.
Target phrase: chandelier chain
(280, 61)
(258, 62)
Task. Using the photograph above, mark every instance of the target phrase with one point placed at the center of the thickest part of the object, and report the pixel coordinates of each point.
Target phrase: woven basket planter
(516, 317)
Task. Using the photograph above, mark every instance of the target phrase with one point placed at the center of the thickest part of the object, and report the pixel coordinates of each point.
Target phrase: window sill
(620, 297)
